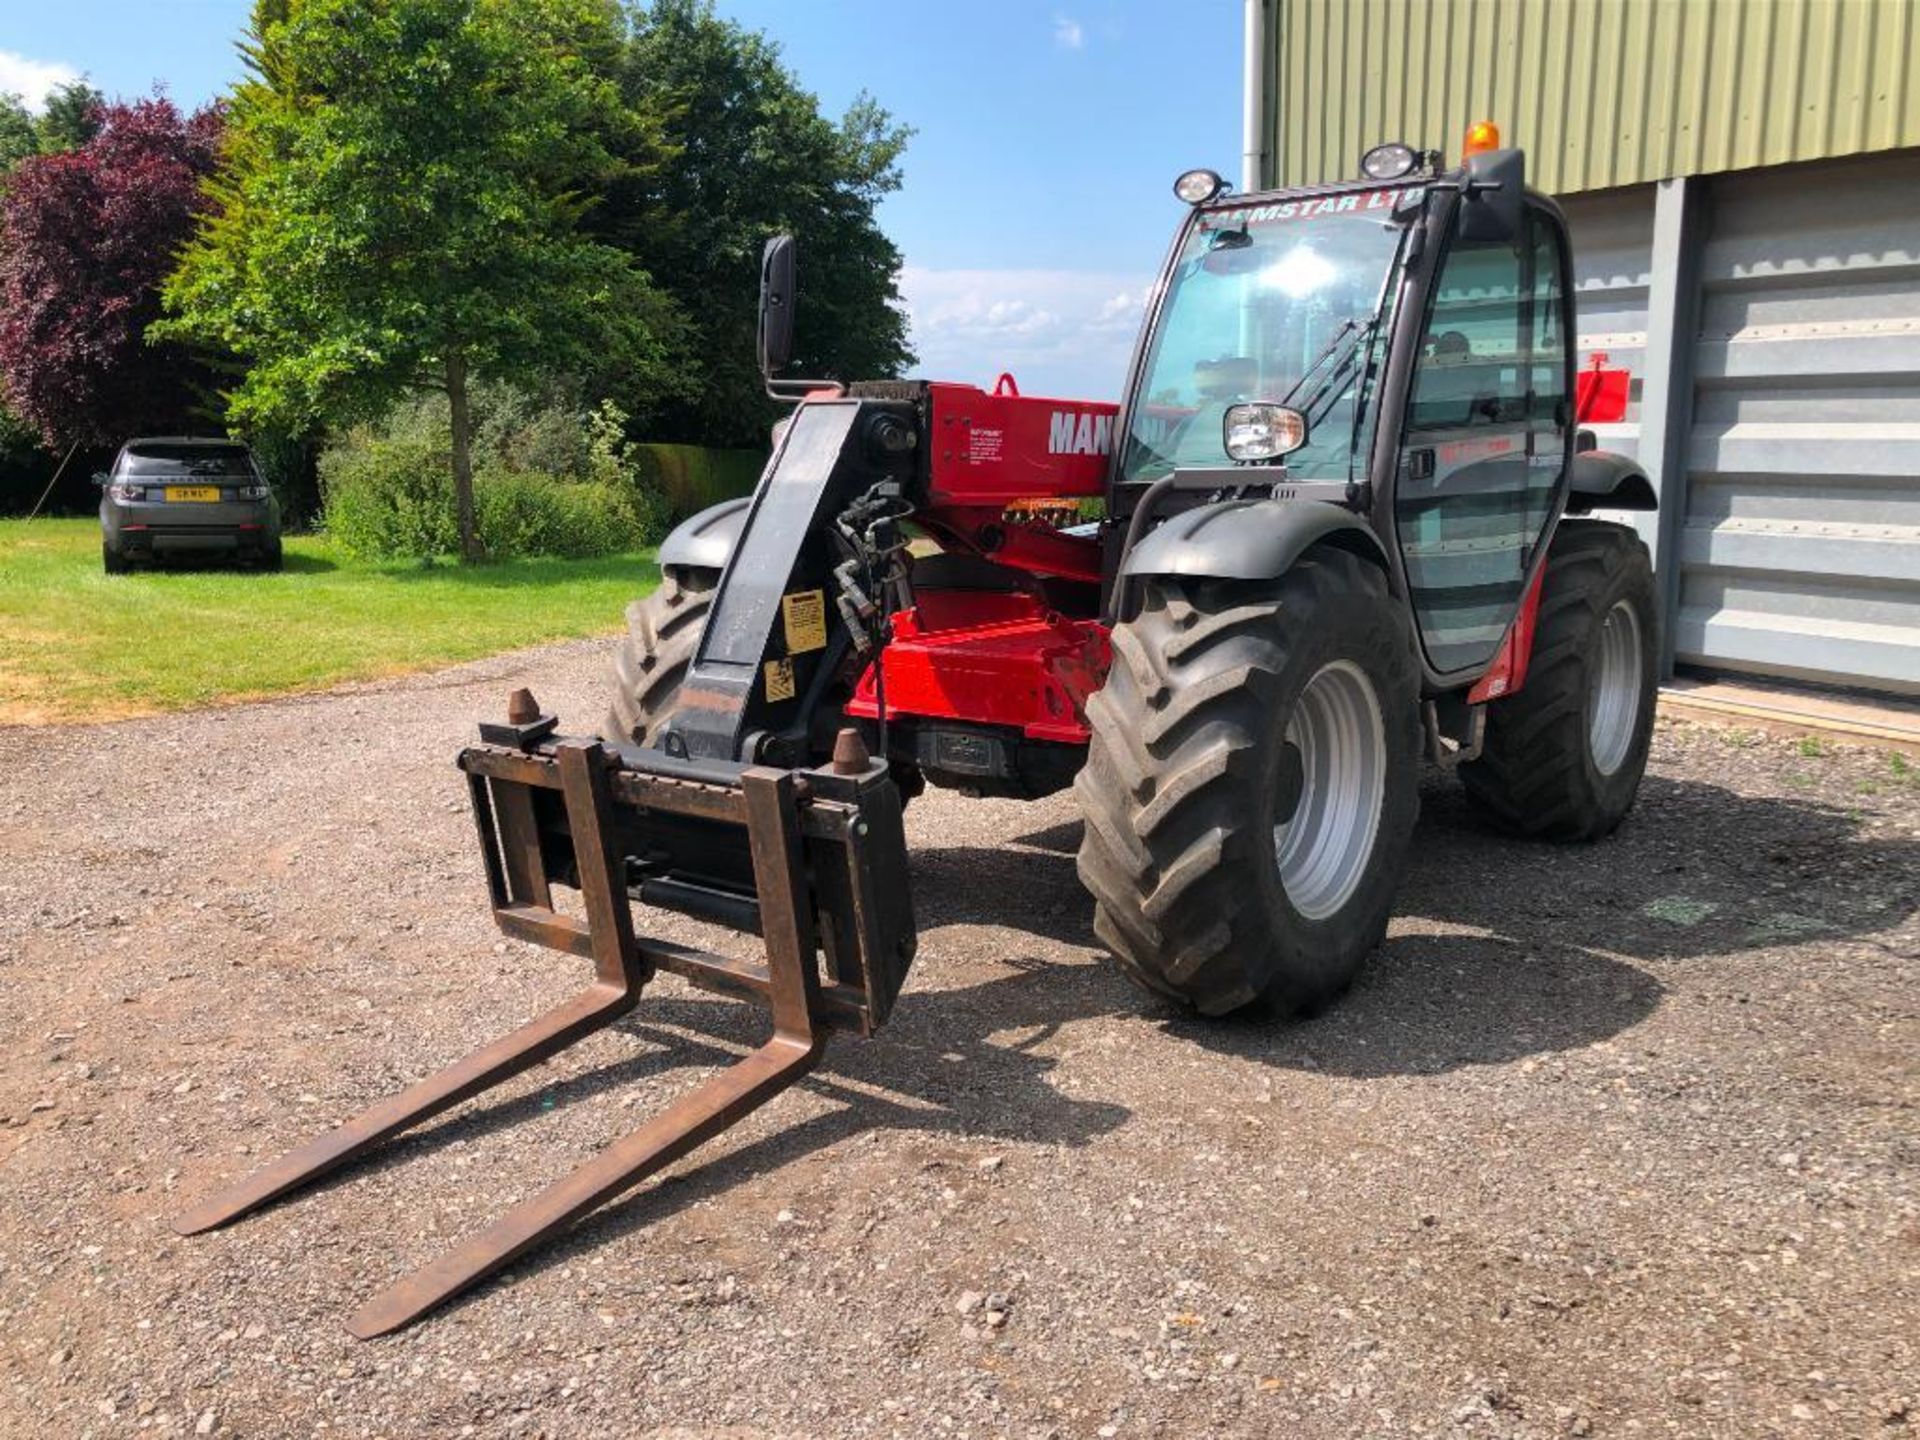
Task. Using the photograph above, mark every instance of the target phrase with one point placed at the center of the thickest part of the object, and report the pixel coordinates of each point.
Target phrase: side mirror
(101, 478)
(1495, 199)
(776, 304)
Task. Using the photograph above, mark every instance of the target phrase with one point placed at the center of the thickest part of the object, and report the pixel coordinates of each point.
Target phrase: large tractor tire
(1563, 756)
(663, 631)
(1251, 784)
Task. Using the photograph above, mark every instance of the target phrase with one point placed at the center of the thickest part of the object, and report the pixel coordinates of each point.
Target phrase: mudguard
(1249, 539)
(1603, 480)
(705, 541)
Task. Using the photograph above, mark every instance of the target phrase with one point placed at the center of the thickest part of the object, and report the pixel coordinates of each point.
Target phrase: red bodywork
(1003, 467)
(993, 452)
(990, 659)
(1509, 669)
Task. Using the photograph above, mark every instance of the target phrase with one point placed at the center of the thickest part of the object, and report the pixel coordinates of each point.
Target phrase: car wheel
(112, 561)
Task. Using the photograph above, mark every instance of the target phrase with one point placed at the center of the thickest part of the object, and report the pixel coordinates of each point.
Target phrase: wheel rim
(1323, 850)
(1613, 706)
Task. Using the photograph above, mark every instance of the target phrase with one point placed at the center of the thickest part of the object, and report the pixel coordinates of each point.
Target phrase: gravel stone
(1614, 1140)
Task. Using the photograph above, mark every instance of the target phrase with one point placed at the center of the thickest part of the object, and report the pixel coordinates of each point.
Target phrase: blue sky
(1036, 203)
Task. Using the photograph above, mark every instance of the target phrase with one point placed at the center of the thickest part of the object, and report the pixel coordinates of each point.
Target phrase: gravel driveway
(1615, 1140)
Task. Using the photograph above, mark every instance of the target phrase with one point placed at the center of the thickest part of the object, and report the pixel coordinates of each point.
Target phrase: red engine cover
(989, 449)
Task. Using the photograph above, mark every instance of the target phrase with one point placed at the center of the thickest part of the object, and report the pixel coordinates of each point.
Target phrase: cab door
(1482, 456)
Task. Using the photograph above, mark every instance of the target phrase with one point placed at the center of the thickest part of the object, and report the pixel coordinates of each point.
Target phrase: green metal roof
(1598, 92)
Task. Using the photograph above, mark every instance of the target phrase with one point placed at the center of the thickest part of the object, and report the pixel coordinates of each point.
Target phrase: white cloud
(1060, 332)
(32, 80)
(1068, 33)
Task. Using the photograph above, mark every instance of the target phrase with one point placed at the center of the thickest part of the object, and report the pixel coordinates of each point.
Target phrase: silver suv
(186, 498)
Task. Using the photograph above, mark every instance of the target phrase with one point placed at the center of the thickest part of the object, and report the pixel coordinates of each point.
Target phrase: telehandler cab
(1346, 525)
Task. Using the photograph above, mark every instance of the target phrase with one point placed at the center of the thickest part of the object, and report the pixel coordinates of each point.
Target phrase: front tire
(663, 631)
(1563, 756)
(1252, 784)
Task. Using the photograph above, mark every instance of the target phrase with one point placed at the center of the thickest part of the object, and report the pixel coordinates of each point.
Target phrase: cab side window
(1472, 346)
(1482, 453)
(1549, 401)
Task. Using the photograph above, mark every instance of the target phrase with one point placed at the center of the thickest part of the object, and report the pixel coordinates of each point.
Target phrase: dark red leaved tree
(86, 237)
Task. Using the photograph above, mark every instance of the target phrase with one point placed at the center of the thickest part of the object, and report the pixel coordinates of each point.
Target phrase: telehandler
(1342, 523)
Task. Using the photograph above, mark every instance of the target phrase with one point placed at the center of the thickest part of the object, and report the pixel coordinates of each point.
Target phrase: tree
(18, 138)
(749, 155)
(86, 238)
(398, 205)
(73, 115)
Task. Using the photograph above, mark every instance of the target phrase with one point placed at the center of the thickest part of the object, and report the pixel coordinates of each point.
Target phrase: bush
(389, 498)
(521, 512)
(548, 480)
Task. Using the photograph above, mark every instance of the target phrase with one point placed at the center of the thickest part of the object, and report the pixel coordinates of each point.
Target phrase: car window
(206, 460)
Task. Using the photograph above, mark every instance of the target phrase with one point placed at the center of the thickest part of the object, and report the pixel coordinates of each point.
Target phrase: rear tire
(663, 631)
(1563, 757)
(1205, 891)
(112, 561)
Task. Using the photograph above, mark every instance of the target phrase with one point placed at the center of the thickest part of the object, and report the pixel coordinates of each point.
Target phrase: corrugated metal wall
(1601, 93)
(1612, 275)
(1798, 544)
(1801, 550)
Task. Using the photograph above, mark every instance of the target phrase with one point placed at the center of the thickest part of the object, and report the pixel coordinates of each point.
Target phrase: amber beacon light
(1482, 135)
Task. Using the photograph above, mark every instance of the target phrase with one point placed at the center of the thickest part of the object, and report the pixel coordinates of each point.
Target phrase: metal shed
(1743, 182)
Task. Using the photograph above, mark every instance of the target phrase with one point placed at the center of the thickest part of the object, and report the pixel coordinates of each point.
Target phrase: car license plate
(193, 492)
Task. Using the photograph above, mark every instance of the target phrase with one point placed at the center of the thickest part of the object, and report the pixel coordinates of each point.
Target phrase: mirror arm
(792, 392)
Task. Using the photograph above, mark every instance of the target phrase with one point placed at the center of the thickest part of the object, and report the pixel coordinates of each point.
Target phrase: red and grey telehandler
(1343, 525)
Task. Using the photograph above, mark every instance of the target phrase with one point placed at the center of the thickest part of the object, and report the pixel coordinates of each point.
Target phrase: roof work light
(1197, 187)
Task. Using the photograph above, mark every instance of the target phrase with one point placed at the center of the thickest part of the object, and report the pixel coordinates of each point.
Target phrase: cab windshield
(1260, 295)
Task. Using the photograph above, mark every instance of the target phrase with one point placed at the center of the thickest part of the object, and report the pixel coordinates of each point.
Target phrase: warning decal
(806, 619)
(779, 680)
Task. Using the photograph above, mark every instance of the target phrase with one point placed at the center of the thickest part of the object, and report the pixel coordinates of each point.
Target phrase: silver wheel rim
(1613, 706)
(1323, 850)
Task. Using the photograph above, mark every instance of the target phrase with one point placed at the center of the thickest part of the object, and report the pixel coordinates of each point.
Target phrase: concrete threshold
(1786, 710)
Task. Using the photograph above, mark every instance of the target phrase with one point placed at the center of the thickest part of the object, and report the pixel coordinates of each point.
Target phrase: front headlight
(1263, 432)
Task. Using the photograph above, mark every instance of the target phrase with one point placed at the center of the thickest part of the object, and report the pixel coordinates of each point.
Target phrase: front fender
(705, 541)
(1249, 540)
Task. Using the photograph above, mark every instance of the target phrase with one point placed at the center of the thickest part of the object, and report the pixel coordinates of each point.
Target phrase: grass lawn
(78, 644)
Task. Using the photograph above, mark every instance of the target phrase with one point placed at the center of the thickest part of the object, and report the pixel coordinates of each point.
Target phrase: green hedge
(390, 499)
(549, 479)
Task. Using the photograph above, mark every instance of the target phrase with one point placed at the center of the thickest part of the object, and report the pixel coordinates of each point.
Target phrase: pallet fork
(823, 883)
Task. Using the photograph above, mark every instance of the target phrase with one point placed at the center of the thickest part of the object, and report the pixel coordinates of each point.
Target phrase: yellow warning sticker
(779, 680)
(806, 617)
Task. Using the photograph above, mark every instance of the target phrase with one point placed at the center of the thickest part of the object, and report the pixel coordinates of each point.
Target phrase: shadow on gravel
(1537, 939)
(1696, 870)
